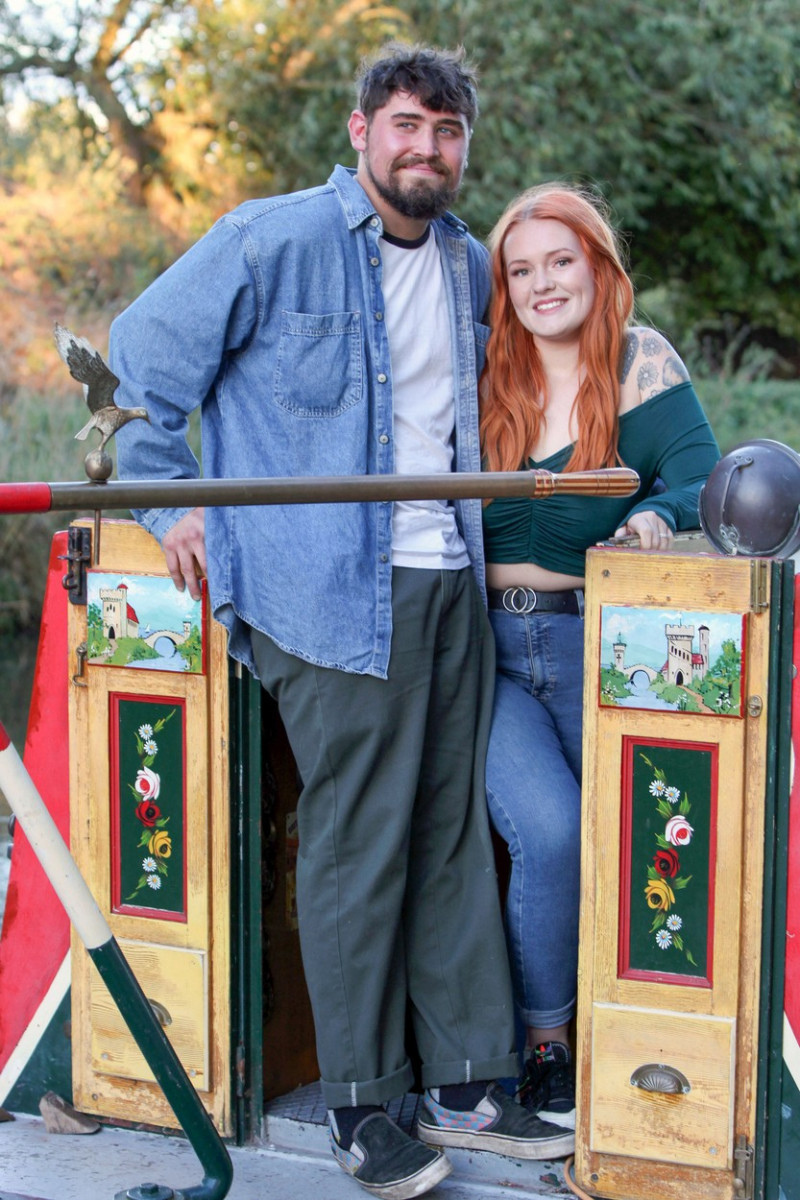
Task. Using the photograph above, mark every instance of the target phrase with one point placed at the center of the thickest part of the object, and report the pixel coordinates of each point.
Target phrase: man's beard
(422, 200)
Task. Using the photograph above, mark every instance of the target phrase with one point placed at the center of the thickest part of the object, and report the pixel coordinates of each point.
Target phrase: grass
(740, 409)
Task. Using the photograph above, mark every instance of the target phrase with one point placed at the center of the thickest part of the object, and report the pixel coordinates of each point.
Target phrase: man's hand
(185, 548)
(652, 531)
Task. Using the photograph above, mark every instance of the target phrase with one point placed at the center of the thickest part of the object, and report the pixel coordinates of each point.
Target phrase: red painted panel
(792, 989)
(35, 935)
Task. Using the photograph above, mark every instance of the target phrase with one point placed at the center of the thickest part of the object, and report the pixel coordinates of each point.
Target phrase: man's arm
(167, 348)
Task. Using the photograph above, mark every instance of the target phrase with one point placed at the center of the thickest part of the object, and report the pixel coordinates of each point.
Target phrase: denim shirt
(273, 323)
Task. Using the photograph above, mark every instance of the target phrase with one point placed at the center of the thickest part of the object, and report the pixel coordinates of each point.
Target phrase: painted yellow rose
(659, 894)
(160, 844)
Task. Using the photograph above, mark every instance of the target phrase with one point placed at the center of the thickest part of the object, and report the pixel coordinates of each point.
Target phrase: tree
(269, 86)
(684, 116)
(179, 90)
(100, 58)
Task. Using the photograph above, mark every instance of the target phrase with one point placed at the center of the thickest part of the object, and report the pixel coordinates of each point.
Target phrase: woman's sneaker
(547, 1087)
(495, 1123)
(385, 1160)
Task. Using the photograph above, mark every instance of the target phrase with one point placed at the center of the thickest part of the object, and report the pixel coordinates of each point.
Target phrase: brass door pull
(162, 1013)
(658, 1077)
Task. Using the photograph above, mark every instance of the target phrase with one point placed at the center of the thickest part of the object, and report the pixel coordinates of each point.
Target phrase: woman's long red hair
(513, 385)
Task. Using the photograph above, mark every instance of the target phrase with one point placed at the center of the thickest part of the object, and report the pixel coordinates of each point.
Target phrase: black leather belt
(524, 601)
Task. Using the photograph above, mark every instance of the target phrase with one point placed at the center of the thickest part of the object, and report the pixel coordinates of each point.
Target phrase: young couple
(341, 330)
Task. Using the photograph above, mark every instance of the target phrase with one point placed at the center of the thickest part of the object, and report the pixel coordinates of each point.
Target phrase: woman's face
(550, 279)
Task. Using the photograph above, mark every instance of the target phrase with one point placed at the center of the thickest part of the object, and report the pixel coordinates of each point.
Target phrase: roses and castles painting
(143, 621)
(658, 658)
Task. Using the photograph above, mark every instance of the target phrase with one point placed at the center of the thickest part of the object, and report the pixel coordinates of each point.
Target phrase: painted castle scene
(142, 621)
(684, 661)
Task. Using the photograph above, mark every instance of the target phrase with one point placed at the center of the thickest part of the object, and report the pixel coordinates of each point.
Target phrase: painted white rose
(678, 831)
(148, 783)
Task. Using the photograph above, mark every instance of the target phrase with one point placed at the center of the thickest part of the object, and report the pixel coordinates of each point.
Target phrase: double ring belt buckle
(519, 600)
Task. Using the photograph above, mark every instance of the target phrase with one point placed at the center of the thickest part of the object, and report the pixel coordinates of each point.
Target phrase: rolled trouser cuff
(466, 1070)
(370, 1091)
(549, 1018)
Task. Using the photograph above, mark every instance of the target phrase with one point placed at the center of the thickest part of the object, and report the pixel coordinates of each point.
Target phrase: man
(333, 331)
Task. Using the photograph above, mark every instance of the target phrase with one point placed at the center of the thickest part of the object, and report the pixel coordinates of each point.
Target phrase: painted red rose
(148, 813)
(667, 863)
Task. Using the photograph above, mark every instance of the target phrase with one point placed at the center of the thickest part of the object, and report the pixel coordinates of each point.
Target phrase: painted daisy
(150, 746)
(674, 922)
(663, 938)
(672, 794)
(657, 788)
(154, 881)
(145, 731)
(149, 864)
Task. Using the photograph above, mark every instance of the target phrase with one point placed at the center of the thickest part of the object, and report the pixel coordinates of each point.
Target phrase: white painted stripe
(35, 1030)
(51, 850)
(791, 1052)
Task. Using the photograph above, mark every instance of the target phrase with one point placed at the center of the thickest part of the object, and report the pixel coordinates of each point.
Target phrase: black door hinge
(78, 557)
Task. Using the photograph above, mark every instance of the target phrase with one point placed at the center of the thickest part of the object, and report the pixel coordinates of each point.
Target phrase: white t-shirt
(424, 532)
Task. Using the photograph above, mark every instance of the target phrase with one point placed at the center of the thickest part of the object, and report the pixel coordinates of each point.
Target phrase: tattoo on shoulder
(631, 346)
(674, 372)
(646, 377)
(651, 345)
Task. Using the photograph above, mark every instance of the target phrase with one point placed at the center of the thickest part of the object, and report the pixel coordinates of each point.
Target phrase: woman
(569, 385)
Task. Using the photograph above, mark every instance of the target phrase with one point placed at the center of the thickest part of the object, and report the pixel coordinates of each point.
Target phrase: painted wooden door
(675, 752)
(150, 826)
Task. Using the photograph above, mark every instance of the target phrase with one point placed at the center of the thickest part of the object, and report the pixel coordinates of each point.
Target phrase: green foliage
(192, 650)
(613, 682)
(739, 409)
(671, 693)
(684, 116)
(728, 665)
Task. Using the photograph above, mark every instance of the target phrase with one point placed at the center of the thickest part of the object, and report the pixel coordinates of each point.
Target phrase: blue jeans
(533, 775)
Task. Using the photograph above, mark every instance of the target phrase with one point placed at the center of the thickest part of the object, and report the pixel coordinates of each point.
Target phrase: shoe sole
(497, 1143)
(415, 1185)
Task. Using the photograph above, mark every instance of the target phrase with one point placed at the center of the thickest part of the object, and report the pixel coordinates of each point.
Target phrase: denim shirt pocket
(318, 368)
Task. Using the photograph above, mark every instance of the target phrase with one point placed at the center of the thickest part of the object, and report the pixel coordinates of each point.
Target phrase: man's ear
(357, 128)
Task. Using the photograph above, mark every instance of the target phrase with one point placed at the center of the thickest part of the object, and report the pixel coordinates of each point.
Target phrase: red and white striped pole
(95, 933)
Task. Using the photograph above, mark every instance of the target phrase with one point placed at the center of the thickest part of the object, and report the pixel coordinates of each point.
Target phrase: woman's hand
(652, 531)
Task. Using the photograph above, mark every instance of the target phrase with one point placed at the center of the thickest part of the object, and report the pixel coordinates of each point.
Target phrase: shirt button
(384, 558)
(374, 262)
(374, 222)
(381, 378)
(383, 439)
(378, 316)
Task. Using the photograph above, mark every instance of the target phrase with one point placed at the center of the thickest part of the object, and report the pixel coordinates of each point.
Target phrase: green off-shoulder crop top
(667, 438)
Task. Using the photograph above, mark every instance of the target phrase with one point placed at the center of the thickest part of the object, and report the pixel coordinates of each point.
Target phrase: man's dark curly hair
(442, 80)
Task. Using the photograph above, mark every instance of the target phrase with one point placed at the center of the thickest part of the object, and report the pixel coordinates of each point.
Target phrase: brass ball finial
(98, 465)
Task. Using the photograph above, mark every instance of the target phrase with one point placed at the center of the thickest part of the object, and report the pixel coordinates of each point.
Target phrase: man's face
(411, 158)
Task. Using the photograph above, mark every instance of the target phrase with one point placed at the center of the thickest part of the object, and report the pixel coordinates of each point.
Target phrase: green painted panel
(49, 1067)
(671, 805)
(150, 796)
